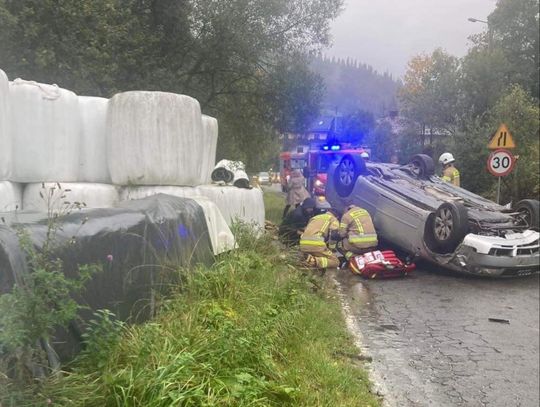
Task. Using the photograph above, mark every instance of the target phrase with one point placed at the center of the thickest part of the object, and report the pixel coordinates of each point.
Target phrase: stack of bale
(161, 143)
(10, 193)
(103, 151)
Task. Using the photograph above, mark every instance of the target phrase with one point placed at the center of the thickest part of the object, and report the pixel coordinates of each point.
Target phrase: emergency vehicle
(314, 163)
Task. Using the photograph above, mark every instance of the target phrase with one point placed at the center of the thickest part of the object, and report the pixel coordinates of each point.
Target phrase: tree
(514, 25)
(429, 94)
(520, 112)
(484, 76)
(218, 51)
(358, 126)
(382, 142)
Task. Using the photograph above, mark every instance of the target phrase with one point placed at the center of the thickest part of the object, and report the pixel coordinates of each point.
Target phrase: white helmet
(446, 158)
(364, 154)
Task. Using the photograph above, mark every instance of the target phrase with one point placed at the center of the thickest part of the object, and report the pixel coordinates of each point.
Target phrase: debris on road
(499, 320)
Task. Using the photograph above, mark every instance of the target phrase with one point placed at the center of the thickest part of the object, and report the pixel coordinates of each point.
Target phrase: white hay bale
(45, 130)
(93, 165)
(5, 137)
(10, 196)
(225, 170)
(210, 136)
(241, 179)
(53, 196)
(154, 138)
(237, 204)
(220, 234)
(140, 192)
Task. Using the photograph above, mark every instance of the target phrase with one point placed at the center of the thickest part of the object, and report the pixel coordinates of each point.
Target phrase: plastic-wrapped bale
(5, 138)
(241, 179)
(237, 204)
(93, 165)
(220, 233)
(45, 132)
(225, 169)
(210, 134)
(133, 242)
(10, 196)
(155, 138)
(51, 196)
(140, 192)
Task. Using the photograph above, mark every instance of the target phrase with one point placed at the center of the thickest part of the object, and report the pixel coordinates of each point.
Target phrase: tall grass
(248, 331)
(274, 203)
(251, 330)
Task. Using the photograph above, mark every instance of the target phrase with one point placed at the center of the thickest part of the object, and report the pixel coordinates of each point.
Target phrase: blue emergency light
(333, 147)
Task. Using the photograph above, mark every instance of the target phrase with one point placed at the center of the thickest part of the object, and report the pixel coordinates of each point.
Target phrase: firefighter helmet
(446, 158)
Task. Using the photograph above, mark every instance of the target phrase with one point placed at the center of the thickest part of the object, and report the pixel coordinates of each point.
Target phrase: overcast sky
(387, 33)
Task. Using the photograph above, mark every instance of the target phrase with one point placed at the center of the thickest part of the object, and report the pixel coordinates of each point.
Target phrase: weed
(41, 300)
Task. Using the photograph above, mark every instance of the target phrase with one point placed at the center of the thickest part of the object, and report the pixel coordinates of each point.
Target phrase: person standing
(357, 232)
(317, 240)
(450, 172)
(296, 191)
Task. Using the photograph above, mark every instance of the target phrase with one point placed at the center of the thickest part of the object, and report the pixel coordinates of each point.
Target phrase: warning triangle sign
(502, 139)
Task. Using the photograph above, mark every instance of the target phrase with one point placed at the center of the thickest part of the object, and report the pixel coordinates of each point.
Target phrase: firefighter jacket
(357, 228)
(318, 232)
(451, 174)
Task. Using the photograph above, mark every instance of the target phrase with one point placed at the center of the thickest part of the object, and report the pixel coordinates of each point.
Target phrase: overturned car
(415, 210)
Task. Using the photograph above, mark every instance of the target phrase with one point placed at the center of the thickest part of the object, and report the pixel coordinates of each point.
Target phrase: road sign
(501, 162)
(502, 139)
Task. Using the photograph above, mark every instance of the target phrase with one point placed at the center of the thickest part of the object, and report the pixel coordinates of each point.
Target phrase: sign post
(501, 161)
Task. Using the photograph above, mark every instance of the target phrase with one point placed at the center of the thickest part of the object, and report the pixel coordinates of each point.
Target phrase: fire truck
(314, 163)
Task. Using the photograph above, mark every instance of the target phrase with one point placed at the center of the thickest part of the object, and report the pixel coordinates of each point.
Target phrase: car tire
(423, 166)
(347, 172)
(529, 209)
(449, 227)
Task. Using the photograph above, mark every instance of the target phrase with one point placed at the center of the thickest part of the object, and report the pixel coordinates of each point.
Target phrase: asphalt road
(432, 343)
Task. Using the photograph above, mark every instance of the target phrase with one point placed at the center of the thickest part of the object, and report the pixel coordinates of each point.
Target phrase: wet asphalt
(431, 341)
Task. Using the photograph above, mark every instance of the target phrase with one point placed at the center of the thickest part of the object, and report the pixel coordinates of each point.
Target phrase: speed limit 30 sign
(500, 162)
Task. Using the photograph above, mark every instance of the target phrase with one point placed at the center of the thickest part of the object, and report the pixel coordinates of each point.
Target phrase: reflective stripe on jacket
(317, 232)
(357, 227)
(451, 174)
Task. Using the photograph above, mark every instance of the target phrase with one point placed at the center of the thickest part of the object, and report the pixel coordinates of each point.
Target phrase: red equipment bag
(380, 264)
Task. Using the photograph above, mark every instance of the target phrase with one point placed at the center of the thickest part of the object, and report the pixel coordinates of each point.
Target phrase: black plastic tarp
(137, 244)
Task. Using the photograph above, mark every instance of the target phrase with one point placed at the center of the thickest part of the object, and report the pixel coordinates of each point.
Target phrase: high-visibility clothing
(316, 240)
(451, 174)
(357, 230)
(326, 259)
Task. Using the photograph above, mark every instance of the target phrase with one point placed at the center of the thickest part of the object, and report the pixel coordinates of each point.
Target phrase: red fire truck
(314, 164)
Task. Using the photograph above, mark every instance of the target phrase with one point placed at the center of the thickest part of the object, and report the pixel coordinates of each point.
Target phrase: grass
(274, 203)
(251, 330)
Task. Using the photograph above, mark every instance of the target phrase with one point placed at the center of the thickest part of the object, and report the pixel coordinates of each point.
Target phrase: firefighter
(357, 232)
(317, 241)
(296, 221)
(450, 173)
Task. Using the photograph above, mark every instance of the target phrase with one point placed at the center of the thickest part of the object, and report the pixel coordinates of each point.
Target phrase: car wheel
(347, 172)
(422, 166)
(529, 212)
(449, 227)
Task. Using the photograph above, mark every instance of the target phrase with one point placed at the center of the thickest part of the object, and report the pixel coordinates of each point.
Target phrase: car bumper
(516, 255)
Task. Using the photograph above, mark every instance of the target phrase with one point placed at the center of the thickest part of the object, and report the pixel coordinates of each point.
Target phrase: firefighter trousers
(351, 249)
(323, 259)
